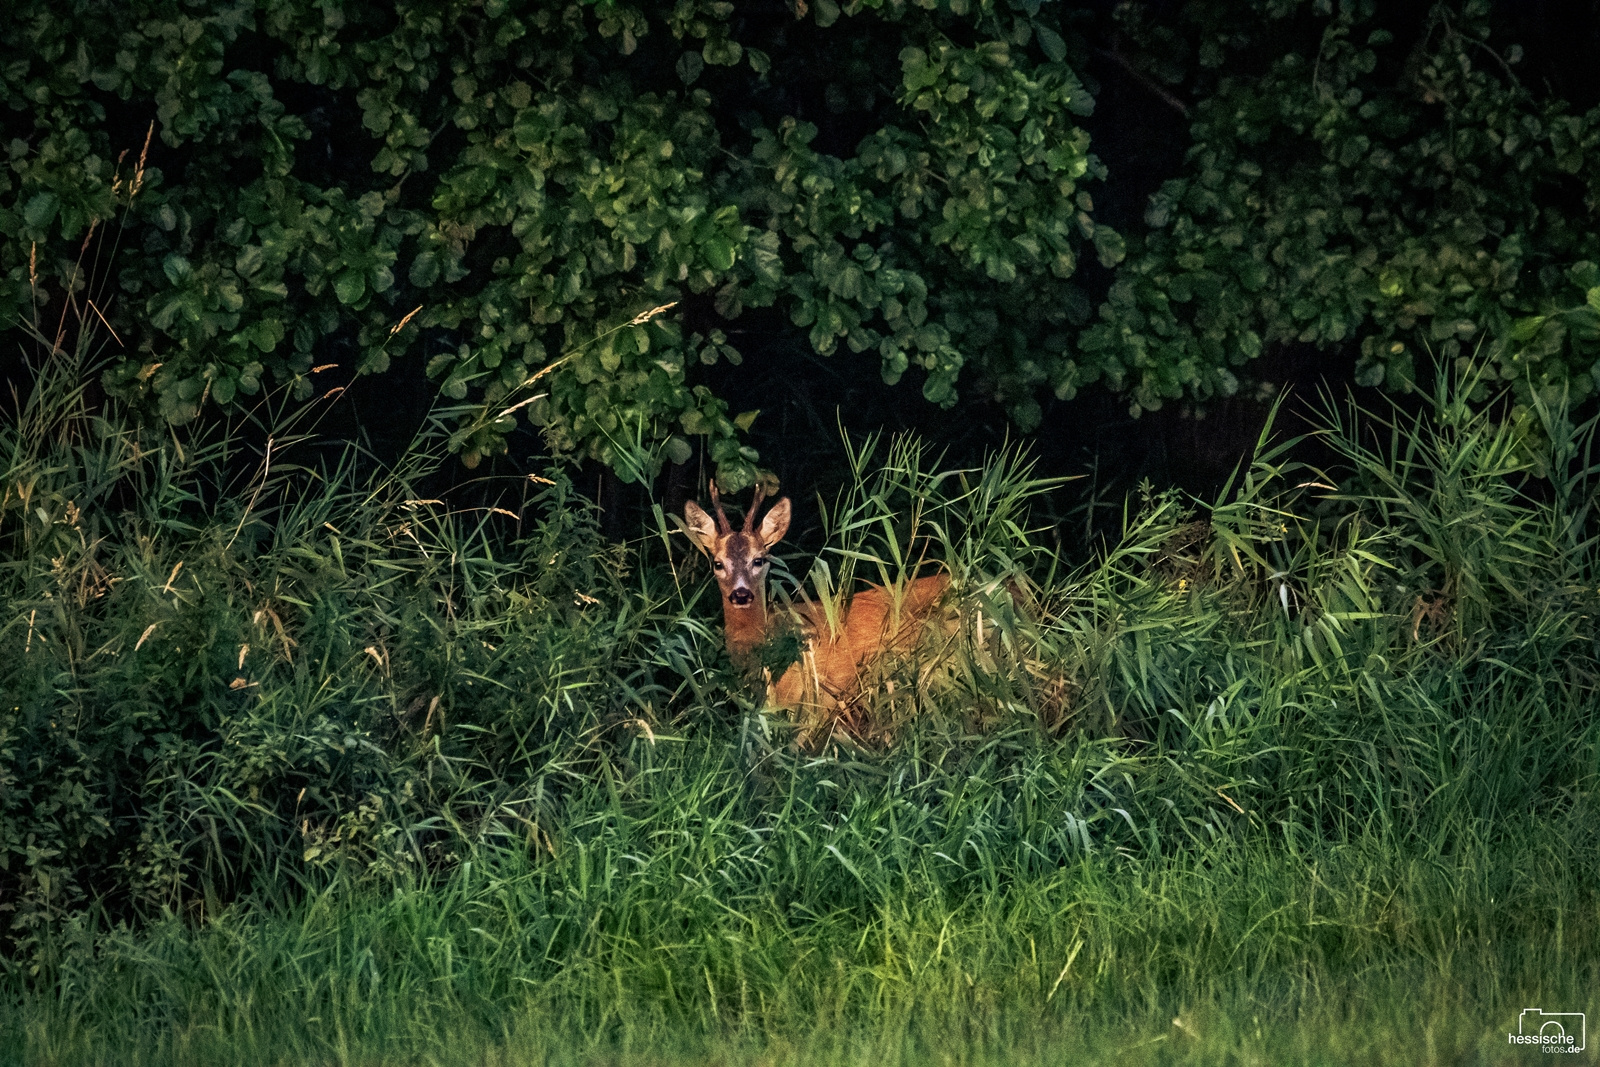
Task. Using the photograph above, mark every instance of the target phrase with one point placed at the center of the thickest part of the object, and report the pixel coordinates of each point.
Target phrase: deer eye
(717, 563)
(759, 561)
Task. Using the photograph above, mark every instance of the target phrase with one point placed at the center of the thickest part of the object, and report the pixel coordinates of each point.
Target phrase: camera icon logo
(1551, 1031)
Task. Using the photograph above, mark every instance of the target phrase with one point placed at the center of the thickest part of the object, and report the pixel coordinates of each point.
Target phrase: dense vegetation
(317, 751)
(505, 191)
(1395, 186)
(305, 765)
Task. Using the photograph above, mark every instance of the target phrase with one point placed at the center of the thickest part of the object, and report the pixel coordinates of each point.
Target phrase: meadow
(304, 763)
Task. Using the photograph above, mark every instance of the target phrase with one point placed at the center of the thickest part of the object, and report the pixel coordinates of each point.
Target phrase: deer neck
(744, 627)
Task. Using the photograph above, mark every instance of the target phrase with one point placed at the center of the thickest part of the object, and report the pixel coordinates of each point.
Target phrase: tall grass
(1306, 775)
(654, 937)
(228, 676)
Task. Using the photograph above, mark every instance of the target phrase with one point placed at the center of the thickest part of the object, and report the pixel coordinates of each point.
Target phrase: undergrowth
(300, 765)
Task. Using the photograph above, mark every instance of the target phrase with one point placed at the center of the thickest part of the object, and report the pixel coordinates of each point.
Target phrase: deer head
(740, 561)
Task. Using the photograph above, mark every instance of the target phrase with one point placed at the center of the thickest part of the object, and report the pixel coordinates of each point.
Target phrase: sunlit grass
(1246, 955)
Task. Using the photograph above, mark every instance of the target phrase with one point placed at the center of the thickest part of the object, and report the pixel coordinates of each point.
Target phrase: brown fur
(825, 684)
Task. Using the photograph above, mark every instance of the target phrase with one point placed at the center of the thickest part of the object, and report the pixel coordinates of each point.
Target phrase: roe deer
(826, 681)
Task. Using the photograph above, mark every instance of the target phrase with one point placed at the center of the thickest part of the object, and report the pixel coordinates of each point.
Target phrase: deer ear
(776, 524)
(702, 530)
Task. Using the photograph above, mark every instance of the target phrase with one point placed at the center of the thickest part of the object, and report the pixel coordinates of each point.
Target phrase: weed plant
(305, 767)
(222, 684)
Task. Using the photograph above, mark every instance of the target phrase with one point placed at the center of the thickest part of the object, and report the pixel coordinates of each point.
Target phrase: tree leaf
(248, 261)
(349, 286)
(424, 270)
(177, 269)
(722, 52)
(40, 210)
(719, 253)
(1050, 41)
(678, 450)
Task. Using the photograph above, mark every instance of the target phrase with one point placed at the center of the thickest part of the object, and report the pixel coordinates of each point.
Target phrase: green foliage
(445, 783)
(216, 684)
(533, 177)
(235, 687)
(1354, 193)
(535, 180)
(657, 941)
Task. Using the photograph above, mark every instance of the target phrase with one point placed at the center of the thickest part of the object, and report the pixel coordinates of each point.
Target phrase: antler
(749, 517)
(722, 516)
(755, 506)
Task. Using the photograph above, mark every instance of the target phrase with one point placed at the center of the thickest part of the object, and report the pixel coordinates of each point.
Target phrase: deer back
(872, 623)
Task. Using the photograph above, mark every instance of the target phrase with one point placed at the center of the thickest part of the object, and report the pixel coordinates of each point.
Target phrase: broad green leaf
(349, 286)
(177, 269)
(678, 450)
(424, 270)
(1525, 329)
(719, 253)
(248, 261)
(722, 52)
(40, 210)
(1050, 41)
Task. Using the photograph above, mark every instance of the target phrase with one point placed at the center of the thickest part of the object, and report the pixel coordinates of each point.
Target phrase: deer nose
(741, 597)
